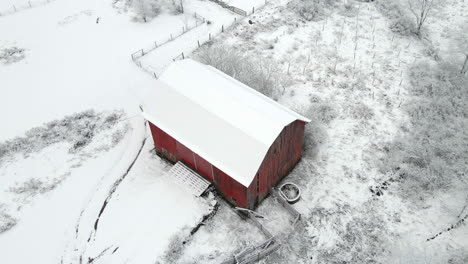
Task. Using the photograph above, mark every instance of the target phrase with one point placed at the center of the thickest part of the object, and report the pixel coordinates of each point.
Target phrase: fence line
(199, 20)
(200, 42)
(230, 7)
(30, 4)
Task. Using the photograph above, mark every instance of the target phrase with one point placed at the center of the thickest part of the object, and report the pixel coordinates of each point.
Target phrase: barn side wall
(281, 158)
(170, 148)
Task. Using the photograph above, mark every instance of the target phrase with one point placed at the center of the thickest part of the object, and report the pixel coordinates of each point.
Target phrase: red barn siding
(173, 150)
(282, 156)
(203, 166)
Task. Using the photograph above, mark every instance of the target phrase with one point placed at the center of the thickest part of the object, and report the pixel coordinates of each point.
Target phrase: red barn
(237, 138)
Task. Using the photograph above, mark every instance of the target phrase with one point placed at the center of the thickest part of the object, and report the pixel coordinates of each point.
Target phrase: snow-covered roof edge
(258, 94)
(213, 161)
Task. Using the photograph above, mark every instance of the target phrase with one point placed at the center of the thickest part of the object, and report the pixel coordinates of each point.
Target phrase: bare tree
(178, 5)
(420, 10)
(147, 9)
(462, 47)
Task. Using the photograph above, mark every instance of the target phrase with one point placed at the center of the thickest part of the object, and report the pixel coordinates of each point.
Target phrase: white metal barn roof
(224, 121)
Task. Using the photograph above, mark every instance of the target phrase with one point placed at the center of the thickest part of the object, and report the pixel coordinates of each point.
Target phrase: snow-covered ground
(76, 56)
(353, 71)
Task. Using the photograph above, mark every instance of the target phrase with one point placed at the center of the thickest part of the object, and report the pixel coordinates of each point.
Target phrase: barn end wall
(280, 159)
(170, 148)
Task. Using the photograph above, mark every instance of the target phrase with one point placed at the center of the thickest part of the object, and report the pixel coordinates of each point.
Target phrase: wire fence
(221, 29)
(230, 7)
(200, 20)
(27, 5)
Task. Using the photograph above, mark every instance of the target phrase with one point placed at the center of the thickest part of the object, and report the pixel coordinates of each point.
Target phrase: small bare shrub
(78, 129)
(12, 55)
(313, 10)
(34, 186)
(321, 111)
(420, 10)
(146, 9)
(361, 111)
(6, 220)
(400, 22)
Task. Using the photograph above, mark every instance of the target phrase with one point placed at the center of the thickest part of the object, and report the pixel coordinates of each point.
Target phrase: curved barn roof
(229, 124)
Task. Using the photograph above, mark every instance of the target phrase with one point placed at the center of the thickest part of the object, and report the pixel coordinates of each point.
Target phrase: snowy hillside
(384, 173)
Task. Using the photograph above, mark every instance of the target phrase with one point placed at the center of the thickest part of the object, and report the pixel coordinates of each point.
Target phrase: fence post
(222, 28)
(183, 57)
(14, 7)
(209, 36)
(155, 44)
(29, 2)
(171, 36)
(253, 10)
(198, 43)
(155, 76)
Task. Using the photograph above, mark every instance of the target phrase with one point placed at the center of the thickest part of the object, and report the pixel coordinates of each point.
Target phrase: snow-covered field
(106, 199)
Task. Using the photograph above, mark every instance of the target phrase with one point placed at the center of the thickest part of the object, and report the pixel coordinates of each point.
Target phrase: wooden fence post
(183, 57)
(253, 10)
(155, 44)
(198, 43)
(154, 74)
(209, 36)
(171, 36)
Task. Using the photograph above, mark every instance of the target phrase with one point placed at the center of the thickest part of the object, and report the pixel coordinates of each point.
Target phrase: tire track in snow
(68, 250)
(114, 188)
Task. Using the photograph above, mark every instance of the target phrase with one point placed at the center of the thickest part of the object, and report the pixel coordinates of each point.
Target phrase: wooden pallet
(188, 179)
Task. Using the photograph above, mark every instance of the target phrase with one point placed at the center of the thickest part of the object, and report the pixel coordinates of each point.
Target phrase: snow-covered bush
(146, 9)
(321, 111)
(11, 55)
(78, 129)
(431, 155)
(6, 220)
(313, 10)
(360, 239)
(461, 47)
(361, 111)
(400, 22)
(349, 9)
(264, 75)
(34, 186)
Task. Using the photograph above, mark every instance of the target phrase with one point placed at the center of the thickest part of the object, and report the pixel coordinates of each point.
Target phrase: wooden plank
(186, 177)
